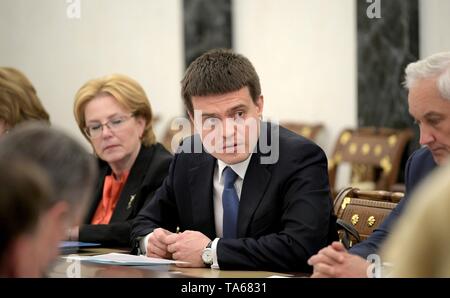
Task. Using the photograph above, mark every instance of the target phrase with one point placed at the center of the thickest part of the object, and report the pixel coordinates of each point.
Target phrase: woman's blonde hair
(18, 98)
(128, 93)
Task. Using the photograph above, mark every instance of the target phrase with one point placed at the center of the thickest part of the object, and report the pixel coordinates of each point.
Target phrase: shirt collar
(239, 168)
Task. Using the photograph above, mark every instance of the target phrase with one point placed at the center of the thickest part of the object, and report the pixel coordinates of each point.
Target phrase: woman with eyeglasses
(115, 116)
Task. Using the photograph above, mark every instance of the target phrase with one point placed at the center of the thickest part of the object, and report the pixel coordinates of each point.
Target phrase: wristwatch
(207, 255)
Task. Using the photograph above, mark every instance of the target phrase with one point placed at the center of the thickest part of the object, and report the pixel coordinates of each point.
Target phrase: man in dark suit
(428, 82)
(243, 193)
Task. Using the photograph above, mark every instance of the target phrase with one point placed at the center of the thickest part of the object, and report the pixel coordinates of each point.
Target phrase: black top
(146, 175)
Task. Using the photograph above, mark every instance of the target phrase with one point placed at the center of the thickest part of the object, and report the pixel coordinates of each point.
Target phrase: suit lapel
(256, 180)
(132, 187)
(201, 191)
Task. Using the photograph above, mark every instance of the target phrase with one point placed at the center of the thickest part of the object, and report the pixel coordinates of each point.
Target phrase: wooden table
(69, 268)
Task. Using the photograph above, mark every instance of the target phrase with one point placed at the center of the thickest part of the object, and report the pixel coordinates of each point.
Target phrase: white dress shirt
(240, 169)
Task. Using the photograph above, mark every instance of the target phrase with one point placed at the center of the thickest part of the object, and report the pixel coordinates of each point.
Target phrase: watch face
(207, 256)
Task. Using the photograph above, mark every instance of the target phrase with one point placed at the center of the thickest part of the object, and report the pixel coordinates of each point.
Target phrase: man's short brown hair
(219, 71)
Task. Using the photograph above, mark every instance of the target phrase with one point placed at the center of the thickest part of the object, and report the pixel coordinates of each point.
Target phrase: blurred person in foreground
(48, 180)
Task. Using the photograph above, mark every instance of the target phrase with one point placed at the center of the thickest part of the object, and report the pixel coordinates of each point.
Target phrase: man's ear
(260, 105)
(191, 117)
(60, 214)
(197, 126)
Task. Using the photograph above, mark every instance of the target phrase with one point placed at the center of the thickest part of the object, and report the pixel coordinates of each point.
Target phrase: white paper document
(123, 259)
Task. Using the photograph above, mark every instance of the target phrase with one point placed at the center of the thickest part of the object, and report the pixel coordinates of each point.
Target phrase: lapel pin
(130, 202)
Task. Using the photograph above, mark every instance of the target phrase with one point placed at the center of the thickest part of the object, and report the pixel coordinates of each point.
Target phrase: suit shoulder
(294, 147)
(190, 144)
(191, 152)
(162, 152)
(291, 140)
(288, 135)
(155, 160)
(421, 157)
(419, 165)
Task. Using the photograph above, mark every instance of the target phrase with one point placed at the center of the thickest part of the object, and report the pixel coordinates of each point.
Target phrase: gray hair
(437, 65)
(70, 168)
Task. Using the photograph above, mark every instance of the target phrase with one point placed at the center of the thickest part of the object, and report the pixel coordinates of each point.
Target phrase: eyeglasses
(95, 130)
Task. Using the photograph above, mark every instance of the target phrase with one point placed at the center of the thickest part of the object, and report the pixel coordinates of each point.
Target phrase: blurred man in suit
(428, 82)
(51, 176)
(244, 194)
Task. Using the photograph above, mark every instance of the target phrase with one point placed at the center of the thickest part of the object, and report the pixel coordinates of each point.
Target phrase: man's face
(33, 252)
(228, 124)
(432, 113)
(49, 231)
